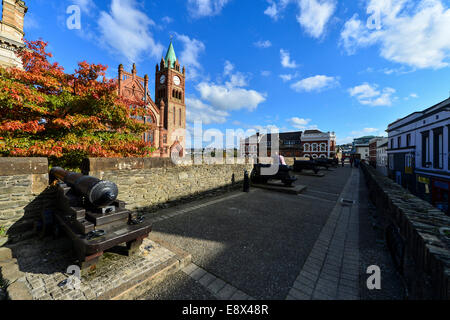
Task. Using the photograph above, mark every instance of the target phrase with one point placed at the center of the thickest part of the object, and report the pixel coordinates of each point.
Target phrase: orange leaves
(65, 117)
(80, 122)
(29, 127)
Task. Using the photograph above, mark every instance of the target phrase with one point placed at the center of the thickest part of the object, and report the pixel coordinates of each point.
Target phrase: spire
(170, 56)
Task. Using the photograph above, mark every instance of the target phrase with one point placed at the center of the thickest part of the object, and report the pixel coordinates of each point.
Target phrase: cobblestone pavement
(332, 269)
(44, 264)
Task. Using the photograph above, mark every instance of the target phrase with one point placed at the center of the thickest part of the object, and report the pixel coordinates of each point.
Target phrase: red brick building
(318, 144)
(167, 113)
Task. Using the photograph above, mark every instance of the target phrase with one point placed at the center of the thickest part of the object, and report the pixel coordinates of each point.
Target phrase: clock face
(162, 79)
(176, 80)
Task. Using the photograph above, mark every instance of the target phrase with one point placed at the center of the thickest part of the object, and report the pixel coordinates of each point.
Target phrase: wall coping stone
(10, 166)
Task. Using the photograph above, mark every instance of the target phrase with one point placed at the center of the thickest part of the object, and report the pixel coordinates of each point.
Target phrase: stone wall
(23, 191)
(151, 182)
(427, 251)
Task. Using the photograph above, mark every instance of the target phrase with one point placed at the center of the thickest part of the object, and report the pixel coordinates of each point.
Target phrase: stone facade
(426, 261)
(23, 191)
(11, 32)
(147, 183)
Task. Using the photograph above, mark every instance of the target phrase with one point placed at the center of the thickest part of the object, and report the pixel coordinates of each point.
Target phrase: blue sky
(346, 66)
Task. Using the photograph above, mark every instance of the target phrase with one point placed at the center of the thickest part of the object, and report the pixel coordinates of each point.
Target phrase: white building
(382, 157)
(418, 153)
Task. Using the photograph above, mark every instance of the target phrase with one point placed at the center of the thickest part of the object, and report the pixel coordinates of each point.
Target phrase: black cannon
(326, 162)
(282, 174)
(300, 165)
(90, 214)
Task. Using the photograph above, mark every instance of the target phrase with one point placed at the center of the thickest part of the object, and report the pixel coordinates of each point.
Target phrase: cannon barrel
(100, 193)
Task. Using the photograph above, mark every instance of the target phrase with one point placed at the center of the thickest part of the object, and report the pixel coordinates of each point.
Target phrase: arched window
(314, 156)
(174, 115)
(306, 147)
(314, 147)
(174, 93)
(322, 156)
(323, 147)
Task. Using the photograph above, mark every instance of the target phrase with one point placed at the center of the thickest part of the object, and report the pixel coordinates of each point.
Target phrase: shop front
(441, 194)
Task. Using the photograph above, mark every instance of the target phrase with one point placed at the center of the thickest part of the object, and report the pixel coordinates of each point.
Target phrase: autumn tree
(66, 117)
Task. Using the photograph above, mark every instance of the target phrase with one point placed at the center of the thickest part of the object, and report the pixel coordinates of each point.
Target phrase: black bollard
(246, 182)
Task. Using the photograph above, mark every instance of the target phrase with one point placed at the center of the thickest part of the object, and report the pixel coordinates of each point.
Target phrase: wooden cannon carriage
(90, 214)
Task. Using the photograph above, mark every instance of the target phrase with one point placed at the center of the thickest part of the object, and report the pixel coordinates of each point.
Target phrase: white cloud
(196, 110)
(167, 20)
(125, 30)
(189, 57)
(263, 44)
(368, 94)
(314, 15)
(86, 6)
(236, 79)
(414, 34)
(316, 83)
(216, 100)
(230, 98)
(275, 8)
(204, 8)
(301, 123)
(286, 60)
(265, 73)
(288, 77)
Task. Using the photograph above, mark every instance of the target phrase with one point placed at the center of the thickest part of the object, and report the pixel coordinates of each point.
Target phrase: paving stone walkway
(218, 287)
(331, 271)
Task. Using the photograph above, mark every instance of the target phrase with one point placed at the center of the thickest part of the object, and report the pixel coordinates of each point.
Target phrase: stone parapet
(427, 250)
(23, 191)
(150, 182)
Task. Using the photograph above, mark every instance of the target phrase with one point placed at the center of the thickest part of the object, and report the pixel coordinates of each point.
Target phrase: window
(306, 147)
(391, 161)
(323, 147)
(179, 118)
(174, 115)
(165, 138)
(399, 142)
(392, 143)
(408, 140)
(314, 147)
(438, 148)
(425, 149)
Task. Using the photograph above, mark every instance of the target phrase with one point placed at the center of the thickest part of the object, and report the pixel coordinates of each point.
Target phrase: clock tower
(170, 96)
